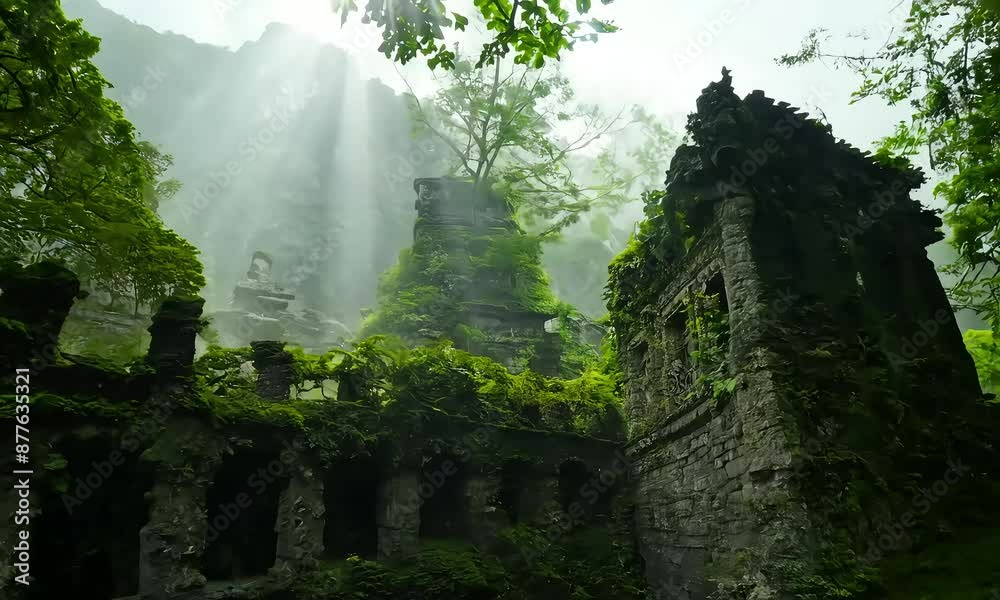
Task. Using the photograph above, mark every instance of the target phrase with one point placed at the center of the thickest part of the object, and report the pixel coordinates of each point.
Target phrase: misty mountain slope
(281, 146)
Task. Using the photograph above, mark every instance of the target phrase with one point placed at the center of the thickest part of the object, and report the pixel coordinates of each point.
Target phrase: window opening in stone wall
(444, 513)
(90, 546)
(512, 496)
(707, 321)
(242, 541)
(350, 493)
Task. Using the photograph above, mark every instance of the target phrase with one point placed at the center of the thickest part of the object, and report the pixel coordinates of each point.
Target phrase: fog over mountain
(310, 120)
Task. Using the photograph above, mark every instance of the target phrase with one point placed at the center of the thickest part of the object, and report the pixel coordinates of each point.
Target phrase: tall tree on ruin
(521, 133)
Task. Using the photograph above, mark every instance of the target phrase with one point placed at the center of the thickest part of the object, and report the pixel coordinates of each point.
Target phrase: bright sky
(665, 53)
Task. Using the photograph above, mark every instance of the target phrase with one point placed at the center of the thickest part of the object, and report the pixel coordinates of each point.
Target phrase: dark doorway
(444, 512)
(350, 496)
(242, 513)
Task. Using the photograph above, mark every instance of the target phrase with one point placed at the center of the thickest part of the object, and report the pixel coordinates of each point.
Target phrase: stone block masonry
(740, 481)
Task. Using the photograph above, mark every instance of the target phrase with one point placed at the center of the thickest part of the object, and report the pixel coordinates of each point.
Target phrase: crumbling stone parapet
(34, 303)
(174, 329)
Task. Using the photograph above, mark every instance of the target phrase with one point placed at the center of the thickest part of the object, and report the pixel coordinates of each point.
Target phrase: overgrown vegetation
(386, 392)
(586, 564)
(985, 350)
(75, 184)
(536, 30)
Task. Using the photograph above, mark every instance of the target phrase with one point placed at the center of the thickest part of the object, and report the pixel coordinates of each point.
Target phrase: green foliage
(945, 63)
(638, 274)
(535, 30)
(582, 565)
(961, 567)
(425, 295)
(708, 325)
(387, 392)
(503, 132)
(74, 183)
(985, 351)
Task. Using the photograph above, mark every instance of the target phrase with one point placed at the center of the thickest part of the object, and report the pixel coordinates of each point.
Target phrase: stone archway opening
(242, 507)
(445, 508)
(86, 538)
(350, 496)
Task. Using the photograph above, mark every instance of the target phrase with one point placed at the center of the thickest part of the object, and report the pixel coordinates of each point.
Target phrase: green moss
(585, 564)
(962, 566)
(388, 392)
(450, 270)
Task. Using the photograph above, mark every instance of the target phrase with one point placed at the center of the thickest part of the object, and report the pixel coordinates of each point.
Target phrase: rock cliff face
(795, 355)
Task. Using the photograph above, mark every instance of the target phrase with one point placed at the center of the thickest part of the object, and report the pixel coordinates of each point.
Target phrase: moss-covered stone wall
(846, 386)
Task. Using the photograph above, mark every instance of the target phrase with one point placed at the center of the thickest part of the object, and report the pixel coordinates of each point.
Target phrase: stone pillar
(397, 515)
(39, 297)
(485, 518)
(174, 329)
(275, 373)
(539, 502)
(300, 521)
(744, 289)
(172, 543)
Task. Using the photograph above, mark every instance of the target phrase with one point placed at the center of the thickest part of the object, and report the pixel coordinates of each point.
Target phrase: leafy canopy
(535, 30)
(74, 182)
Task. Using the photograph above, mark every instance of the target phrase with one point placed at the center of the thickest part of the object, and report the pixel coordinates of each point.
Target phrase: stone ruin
(181, 520)
(836, 320)
(261, 310)
(453, 212)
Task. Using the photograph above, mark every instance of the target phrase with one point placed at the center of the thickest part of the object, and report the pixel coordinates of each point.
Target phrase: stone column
(744, 289)
(172, 543)
(300, 521)
(485, 518)
(397, 515)
(174, 329)
(275, 373)
(539, 503)
(39, 297)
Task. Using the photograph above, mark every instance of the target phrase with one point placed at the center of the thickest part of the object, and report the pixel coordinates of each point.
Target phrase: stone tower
(471, 276)
(782, 439)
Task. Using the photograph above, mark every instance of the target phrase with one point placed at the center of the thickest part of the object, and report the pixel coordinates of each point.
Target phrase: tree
(520, 132)
(74, 182)
(535, 30)
(946, 63)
